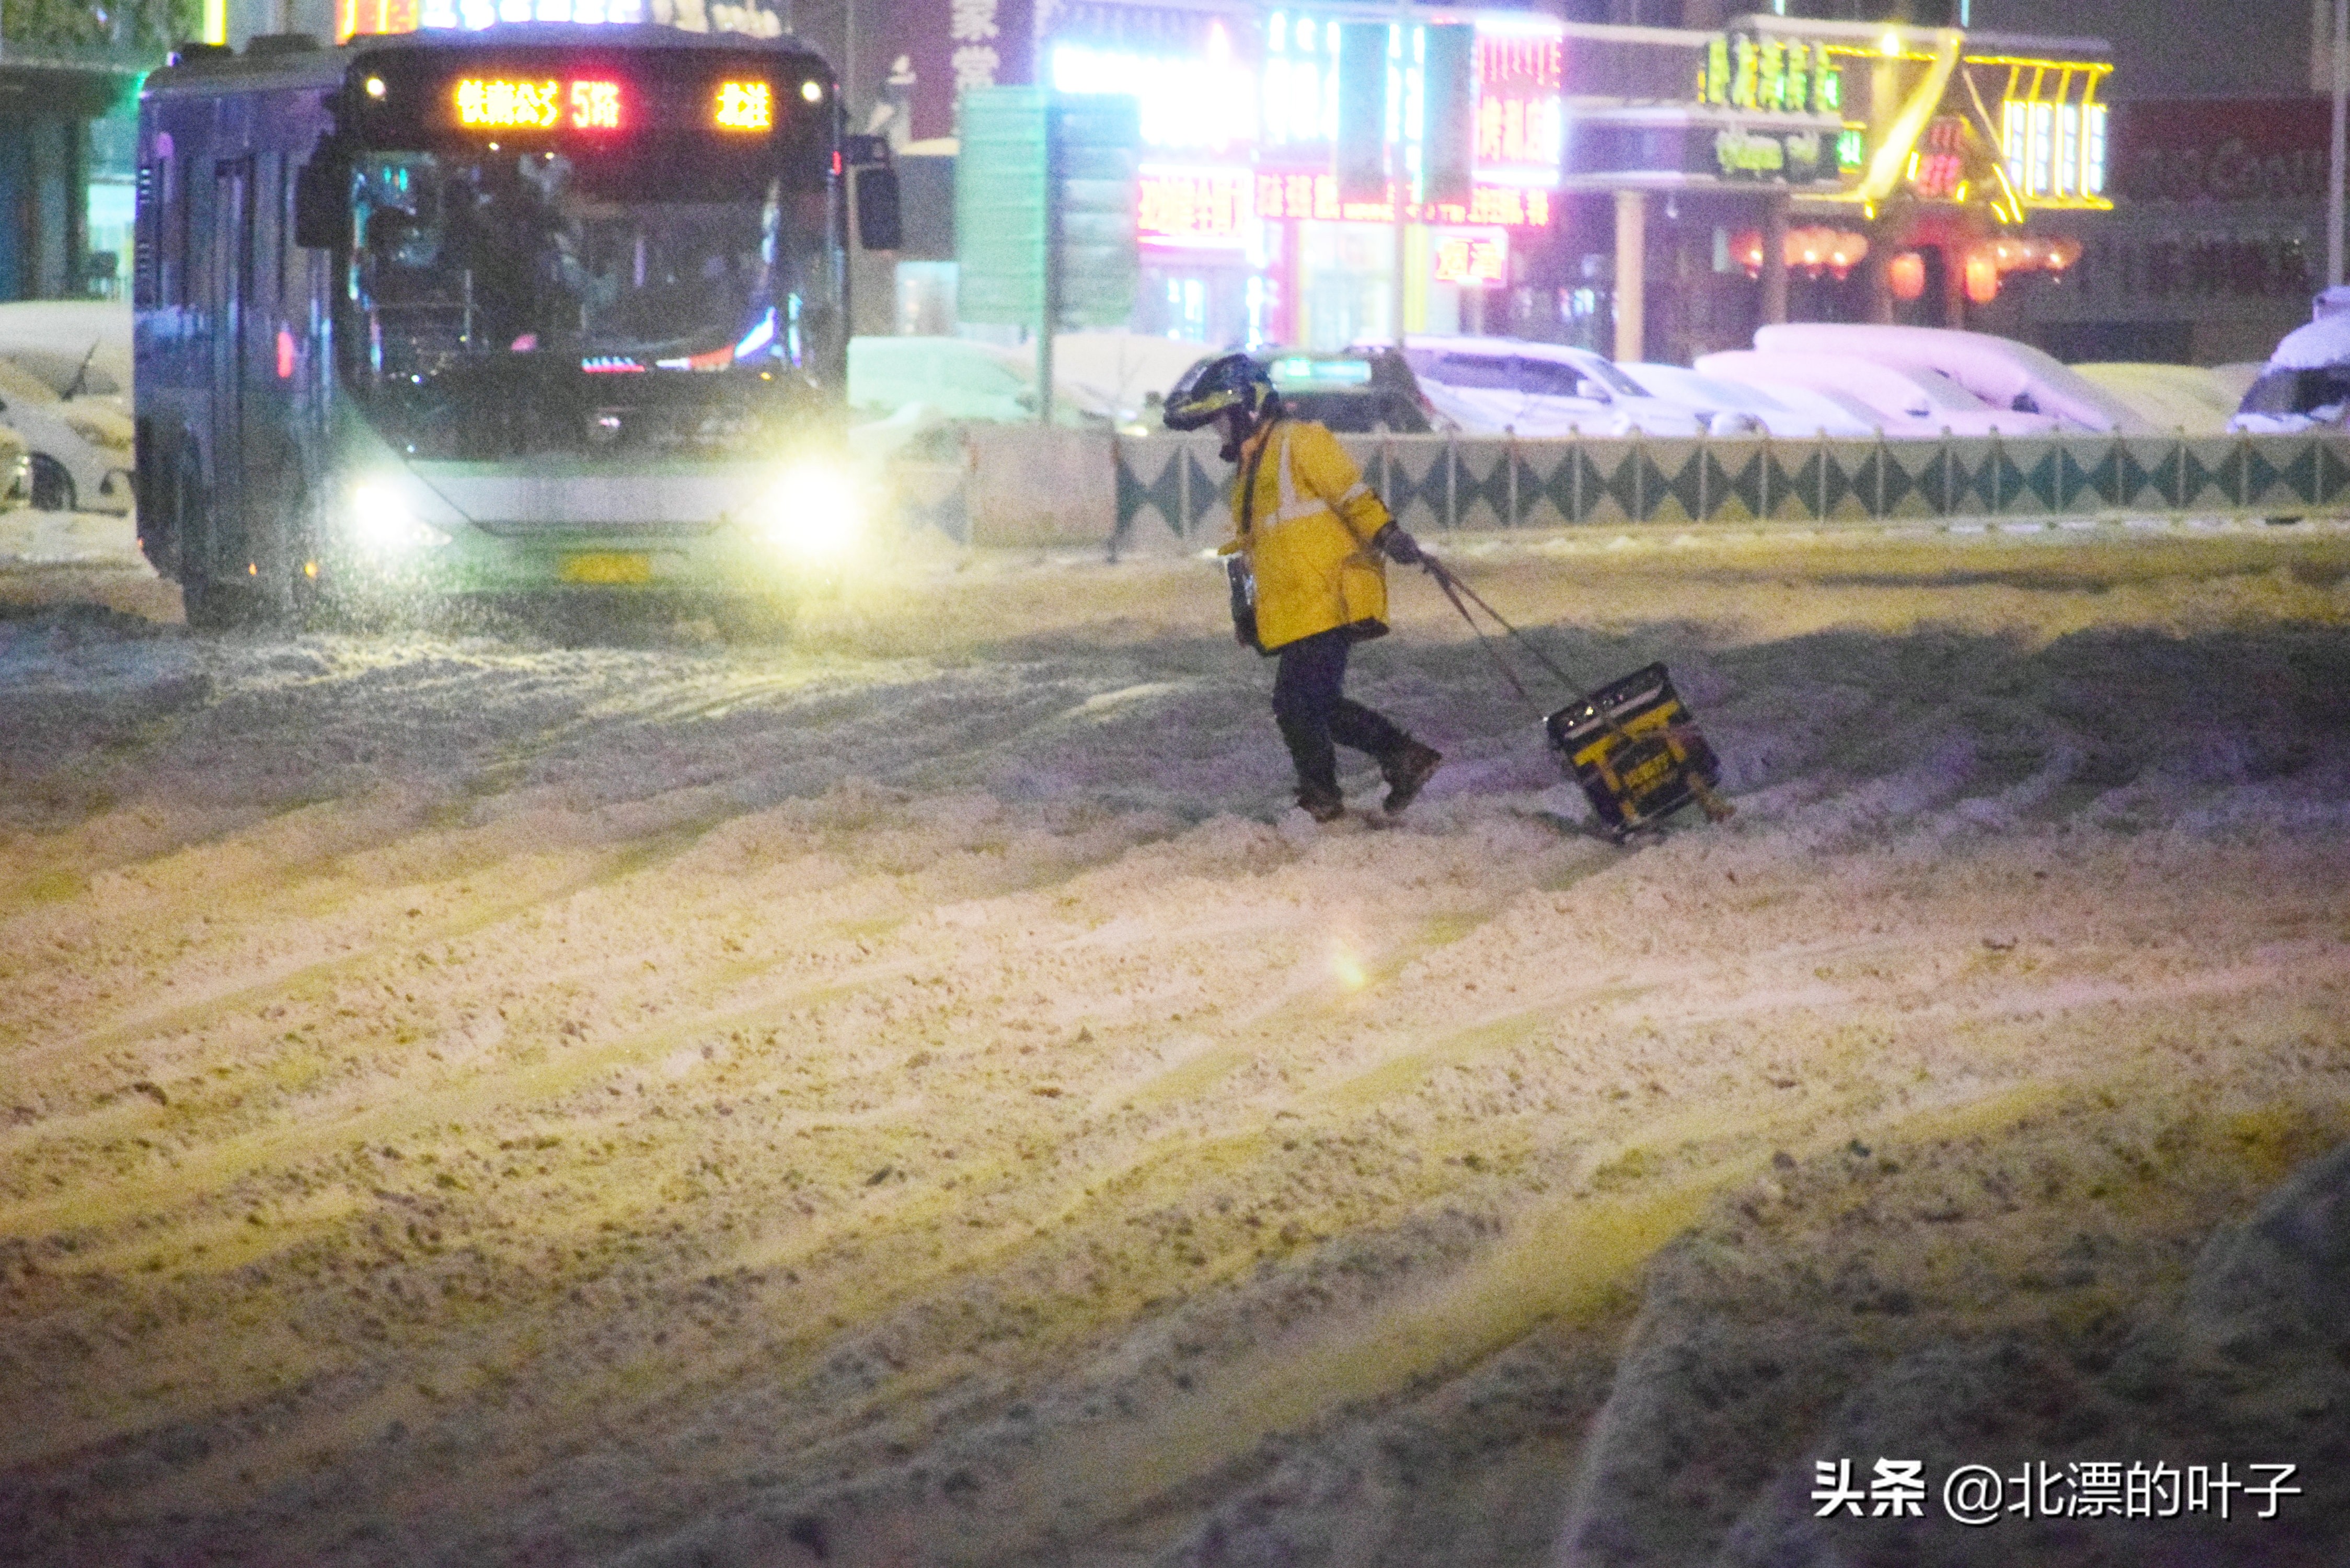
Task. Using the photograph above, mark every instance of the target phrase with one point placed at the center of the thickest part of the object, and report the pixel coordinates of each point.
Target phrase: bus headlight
(812, 512)
(382, 522)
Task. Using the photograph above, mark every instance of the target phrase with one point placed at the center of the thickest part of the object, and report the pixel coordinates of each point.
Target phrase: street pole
(1052, 188)
(1401, 196)
(2334, 182)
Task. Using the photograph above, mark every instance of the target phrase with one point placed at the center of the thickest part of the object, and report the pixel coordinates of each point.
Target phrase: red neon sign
(1316, 196)
(1522, 64)
(596, 105)
(1202, 208)
(1472, 258)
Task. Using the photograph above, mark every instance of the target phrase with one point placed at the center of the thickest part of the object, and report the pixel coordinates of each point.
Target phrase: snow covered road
(914, 1095)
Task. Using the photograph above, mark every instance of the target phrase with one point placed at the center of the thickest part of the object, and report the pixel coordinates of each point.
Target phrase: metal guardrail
(1444, 482)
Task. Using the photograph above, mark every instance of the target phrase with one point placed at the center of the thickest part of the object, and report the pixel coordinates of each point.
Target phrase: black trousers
(1311, 706)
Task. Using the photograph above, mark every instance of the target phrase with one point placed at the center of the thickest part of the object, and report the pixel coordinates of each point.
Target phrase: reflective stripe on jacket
(1309, 541)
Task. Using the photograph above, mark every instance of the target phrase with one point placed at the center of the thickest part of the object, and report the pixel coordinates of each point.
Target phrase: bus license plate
(608, 566)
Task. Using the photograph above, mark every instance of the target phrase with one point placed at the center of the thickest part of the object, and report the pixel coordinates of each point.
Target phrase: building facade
(1335, 172)
(48, 101)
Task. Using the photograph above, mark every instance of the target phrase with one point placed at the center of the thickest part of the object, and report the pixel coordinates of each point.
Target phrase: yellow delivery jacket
(1308, 540)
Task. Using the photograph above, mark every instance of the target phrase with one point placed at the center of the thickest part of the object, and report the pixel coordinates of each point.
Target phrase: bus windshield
(509, 304)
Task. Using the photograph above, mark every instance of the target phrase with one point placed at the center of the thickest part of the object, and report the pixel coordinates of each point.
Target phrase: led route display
(553, 103)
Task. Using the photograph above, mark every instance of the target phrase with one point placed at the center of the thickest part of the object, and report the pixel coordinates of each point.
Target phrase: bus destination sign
(499, 103)
(401, 94)
(552, 103)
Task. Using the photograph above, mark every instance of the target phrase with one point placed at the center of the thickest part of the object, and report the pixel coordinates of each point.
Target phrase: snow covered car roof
(2001, 371)
(1908, 401)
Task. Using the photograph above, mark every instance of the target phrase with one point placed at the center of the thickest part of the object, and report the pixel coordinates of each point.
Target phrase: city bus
(536, 311)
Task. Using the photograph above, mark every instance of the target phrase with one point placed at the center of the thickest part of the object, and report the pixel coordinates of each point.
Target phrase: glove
(1397, 545)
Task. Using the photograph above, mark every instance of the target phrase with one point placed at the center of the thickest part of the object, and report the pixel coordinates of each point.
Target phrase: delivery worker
(1315, 542)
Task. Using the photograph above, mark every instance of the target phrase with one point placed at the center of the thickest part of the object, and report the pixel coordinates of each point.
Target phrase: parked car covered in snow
(79, 452)
(2306, 382)
(80, 348)
(1736, 408)
(2196, 399)
(1498, 385)
(1906, 402)
(904, 390)
(2001, 372)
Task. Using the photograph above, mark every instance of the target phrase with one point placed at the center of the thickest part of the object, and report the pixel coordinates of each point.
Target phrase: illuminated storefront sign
(2054, 150)
(1937, 169)
(1666, 146)
(1520, 106)
(1206, 102)
(1301, 80)
(751, 18)
(1790, 157)
(1521, 112)
(1744, 71)
(1191, 207)
(1476, 258)
(1316, 196)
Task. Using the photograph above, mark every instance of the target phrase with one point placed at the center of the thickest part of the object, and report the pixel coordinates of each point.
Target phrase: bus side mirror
(878, 226)
(322, 210)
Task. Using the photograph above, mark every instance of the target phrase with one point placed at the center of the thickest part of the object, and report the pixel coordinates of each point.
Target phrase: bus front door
(232, 551)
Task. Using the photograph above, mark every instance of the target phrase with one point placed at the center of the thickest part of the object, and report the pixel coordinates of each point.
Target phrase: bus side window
(282, 220)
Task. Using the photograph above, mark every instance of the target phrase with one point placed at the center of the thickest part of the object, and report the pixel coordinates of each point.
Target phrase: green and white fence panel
(1168, 489)
(1178, 486)
(1439, 483)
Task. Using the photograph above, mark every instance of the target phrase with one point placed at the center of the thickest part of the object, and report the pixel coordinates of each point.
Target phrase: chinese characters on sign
(1937, 169)
(1472, 258)
(596, 105)
(971, 26)
(1981, 1495)
(1521, 115)
(1743, 70)
(500, 105)
(744, 106)
(1200, 208)
(1316, 196)
(496, 104)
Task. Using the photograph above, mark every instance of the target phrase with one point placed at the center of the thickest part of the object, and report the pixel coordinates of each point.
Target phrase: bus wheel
(53, 487)
(755, 617)
(287, 594)
(208, 606)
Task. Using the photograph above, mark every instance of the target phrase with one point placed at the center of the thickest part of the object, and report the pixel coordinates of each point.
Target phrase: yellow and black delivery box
(1634, 750)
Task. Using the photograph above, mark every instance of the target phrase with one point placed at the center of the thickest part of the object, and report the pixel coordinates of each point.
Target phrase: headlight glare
(812, 512)
(383, 522)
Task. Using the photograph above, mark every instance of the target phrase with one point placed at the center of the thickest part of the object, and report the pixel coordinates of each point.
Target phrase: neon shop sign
(1750, 71)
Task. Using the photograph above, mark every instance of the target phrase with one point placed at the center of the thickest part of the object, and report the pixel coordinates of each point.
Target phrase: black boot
(1406, 769)
(1321, 803)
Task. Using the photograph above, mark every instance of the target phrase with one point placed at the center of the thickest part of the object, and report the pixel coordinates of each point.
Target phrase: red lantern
(1906, 274)
(1746, 249)
(1982, 277)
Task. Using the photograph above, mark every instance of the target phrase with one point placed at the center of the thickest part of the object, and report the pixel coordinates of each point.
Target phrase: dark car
(1355, 391)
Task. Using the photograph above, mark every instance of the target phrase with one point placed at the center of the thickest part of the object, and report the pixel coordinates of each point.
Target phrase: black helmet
(1214, 387)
